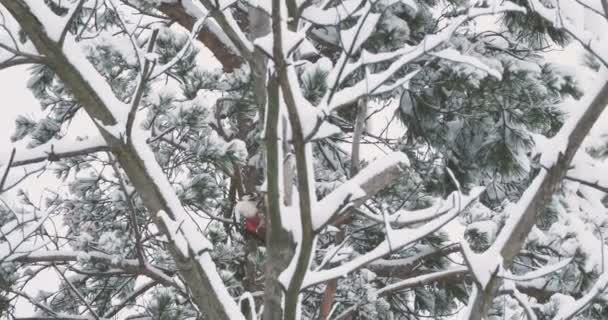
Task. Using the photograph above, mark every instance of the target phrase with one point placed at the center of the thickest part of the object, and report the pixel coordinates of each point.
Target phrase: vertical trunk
(277, 240)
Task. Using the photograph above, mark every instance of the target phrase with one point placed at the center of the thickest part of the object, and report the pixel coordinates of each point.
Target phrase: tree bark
(229, 59)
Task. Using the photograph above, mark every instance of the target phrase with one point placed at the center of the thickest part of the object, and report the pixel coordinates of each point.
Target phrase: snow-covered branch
(407, 54)
(566, 21)
(131, 266)
(522, 216)
(569, 311)
(211, 35)
(399, 239)
(226, 22)
(425, 279)
(406, 217)
(373, 178)
(55, 150)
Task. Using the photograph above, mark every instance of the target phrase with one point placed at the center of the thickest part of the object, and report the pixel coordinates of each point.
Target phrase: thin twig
(7, 169)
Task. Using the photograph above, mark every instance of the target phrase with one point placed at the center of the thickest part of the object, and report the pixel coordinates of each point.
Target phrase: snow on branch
(556, 160)
(570, 310)
(225, 24)
(128, 265)
(399, 239)
(538, 273)
(55, 150)
(53, 27)
(182, 52)
(365, 184)
(454, 55)
(337, 99)
(425, 279)
(53, 24)
(562, 19)
(333, 15)
(510, 288)
(406, 217)
(351, 39)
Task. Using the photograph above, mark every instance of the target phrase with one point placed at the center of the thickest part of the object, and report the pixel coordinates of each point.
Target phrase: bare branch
(8, 167)
(141, 85)
(594, 185)
(41, 154)
(77, 293)
(70, 20)
(130, 299)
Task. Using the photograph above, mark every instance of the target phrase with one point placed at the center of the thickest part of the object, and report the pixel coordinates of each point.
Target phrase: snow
(567, 310)
(219, 289)
(352, 190)
(187, 238)
(53, 24)
(515, 212)
(197, 10)
(399, 239)
(556, 146)
(290, 41)
(454, 55)
(65, 145)
(196, 28)
(538, 273)
(406, 217)
(333, 15)
(483, 266)
(423, 279)
(352, 39)
(372, 82)
(95, 80)
(173, 232)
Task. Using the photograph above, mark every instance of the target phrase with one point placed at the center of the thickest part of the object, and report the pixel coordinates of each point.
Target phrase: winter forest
(305, 159)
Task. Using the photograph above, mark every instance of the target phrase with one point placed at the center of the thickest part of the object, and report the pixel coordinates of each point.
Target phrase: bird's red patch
(252, 224)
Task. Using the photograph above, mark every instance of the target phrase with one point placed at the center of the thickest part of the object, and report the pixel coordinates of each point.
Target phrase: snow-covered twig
(55, 150)
(371, 179)
(400, 239)
(370, 84)
(189, 44)
(424, 279)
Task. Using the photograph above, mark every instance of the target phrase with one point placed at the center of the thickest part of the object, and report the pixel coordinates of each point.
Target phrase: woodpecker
(248, 207)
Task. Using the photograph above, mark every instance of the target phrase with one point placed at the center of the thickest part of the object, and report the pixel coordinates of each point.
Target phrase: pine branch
(511, 239)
